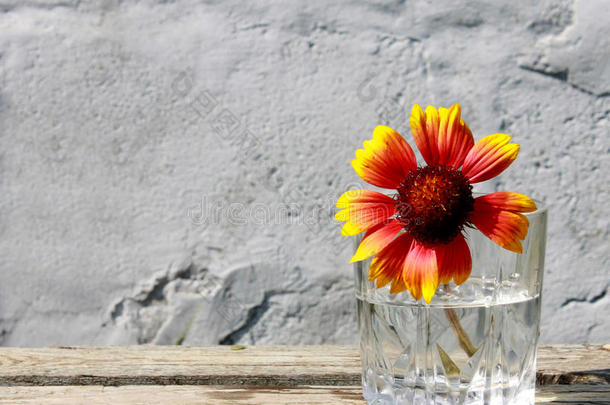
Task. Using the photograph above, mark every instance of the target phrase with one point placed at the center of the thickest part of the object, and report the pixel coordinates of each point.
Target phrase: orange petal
(376, 239)
(504, 227)
(408, 264)
(421, 271)
(514, 202)
(398, 286)
(424, 127)
(454, 261)
(489, 157)
(454, 137)
(363, 209)
(441, 136)
(388, 265)
(385, 160)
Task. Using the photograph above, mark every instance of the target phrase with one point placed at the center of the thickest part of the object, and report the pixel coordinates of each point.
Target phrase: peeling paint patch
(142, 316)
(193, 307)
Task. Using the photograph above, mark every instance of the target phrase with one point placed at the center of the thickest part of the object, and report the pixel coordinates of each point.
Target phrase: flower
(416, 235)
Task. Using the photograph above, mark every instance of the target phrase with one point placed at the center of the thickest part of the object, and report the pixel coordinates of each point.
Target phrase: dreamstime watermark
(293, 210)
(296, 204)
(216, 211)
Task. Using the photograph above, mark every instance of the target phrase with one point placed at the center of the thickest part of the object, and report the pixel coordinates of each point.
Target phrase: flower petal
(489, 157)
(514, 202)
(376, 239)
(454, 261)
(454, 137)
(407, 264)
(363, 209)
(504, 227)
(421, 271)
(424, 127)
(385, 160)
(441, 136)
(388, 265)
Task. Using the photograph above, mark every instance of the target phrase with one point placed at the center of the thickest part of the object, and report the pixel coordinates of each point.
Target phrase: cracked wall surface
(167, 168)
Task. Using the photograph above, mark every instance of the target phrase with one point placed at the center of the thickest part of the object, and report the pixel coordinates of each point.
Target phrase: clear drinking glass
(473, 344)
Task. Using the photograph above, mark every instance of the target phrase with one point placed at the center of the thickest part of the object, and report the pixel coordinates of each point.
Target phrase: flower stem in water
(462, 336)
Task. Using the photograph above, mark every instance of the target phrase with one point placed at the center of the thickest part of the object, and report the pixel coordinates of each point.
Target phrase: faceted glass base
(412, 354)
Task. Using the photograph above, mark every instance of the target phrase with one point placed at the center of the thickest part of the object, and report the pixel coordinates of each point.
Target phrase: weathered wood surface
(232, 395)
(573, 364)
(277, 366)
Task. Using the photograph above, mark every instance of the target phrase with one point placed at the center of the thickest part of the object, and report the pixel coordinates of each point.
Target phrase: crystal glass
(473, 344)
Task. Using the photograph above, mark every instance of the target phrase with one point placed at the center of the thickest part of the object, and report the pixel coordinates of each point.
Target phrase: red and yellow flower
(416, 235)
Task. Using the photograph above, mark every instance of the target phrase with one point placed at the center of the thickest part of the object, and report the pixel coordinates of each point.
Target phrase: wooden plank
(573, 394)
(573, 364)
(256, 365)
(169, 365)
(223, 395)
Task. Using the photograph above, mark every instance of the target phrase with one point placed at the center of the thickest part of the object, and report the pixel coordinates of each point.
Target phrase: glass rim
(541, 209)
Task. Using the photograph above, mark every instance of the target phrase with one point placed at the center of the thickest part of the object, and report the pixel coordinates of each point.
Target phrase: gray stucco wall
(166, 167)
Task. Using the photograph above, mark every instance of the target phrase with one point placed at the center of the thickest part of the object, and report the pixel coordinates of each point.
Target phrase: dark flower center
(433, 203)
